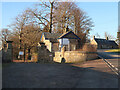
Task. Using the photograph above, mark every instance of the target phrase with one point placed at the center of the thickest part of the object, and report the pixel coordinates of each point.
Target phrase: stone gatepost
(41, 52)
(9, 53)
(62, 55)
(62, 51)
(44, 55)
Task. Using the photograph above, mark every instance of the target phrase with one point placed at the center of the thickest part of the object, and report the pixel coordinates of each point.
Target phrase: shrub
(89, 48)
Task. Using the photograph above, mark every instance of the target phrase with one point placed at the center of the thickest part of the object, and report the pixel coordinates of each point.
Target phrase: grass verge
(113, 50)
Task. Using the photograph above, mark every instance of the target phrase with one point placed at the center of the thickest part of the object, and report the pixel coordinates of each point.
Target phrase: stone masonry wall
(74, 56)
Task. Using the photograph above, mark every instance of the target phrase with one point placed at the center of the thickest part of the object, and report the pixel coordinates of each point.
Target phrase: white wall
(48, 45)
(63, 42)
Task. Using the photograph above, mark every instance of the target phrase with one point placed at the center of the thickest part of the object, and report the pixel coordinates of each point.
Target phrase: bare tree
(44, 15)
(19, 24)
(97, 35)
(51, 15)
(5, 34)
(15, 38)
(31, 36)
(58, 15)
(63, 15)
(25, 31)
(107, 35)
(68, 14)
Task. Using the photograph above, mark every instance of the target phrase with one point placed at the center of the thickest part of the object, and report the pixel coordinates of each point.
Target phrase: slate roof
(105, 42)
(52, 36)
(64, 34)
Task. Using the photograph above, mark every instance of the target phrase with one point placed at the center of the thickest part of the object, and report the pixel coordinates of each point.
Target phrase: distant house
(50, 40)
(118, 36)
(55, 41)
(104, 43)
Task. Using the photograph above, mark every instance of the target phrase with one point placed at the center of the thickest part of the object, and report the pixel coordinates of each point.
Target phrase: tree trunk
(29, 56)
(20, 40)
(51, 17)
(24, 51)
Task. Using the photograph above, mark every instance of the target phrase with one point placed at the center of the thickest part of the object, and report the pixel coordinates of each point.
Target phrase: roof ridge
(104, 39)
(64, 33)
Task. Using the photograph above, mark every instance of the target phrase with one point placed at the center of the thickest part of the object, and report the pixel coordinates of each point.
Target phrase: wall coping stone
(81, 52)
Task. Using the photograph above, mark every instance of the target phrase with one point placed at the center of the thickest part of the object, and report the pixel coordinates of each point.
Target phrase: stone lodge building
(55, 41)
(62, 48)
(104, 43)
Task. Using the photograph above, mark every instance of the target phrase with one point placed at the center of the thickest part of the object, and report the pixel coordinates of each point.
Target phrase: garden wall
(74, 56)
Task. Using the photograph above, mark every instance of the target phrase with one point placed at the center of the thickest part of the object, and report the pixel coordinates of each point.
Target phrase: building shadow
(108, 55)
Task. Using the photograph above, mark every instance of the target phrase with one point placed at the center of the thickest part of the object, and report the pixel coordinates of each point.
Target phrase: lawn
(113, 50)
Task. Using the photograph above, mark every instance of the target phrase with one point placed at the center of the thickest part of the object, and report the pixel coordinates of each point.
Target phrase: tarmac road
(90, 74)
(111, 58)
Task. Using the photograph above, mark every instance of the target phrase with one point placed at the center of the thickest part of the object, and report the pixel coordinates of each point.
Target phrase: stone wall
(74, 56)
(44, 55)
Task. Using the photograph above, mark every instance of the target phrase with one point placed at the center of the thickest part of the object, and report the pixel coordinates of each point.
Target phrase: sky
(103, 14)
(119, 15)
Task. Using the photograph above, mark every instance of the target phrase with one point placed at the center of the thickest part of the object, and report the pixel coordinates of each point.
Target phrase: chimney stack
(66, 29)
(106, 38)
(93, 37)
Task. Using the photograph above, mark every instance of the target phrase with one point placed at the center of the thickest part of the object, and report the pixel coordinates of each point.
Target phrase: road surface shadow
(108, 55)
(36, 75)
(112, 53)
